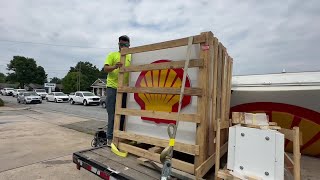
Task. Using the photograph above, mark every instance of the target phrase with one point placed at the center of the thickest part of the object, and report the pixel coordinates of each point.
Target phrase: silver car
(29, 97)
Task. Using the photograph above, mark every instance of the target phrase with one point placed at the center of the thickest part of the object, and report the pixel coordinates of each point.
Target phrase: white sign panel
(50, 85)
(186, 130)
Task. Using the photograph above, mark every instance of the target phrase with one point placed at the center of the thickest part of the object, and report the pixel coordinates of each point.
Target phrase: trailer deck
(102, 162)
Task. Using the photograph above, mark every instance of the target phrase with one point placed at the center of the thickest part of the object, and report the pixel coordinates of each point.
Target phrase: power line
(49, 44)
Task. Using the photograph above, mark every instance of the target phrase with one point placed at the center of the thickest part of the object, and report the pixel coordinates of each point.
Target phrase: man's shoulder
(115, 53)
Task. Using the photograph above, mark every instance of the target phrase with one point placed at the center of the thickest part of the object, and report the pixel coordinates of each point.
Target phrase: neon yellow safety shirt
(111, 60)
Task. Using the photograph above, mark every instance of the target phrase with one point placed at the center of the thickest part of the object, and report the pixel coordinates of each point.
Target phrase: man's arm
(108, 68)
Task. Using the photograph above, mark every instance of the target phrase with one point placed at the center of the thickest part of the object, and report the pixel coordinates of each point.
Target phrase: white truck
(41, 92)
(85, 98)
(7, 91)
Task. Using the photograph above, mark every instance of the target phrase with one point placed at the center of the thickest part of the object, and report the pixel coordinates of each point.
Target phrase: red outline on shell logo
(161, 102)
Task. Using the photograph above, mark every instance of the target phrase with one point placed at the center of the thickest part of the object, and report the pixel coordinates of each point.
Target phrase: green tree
(41, 76)
(88, 69)
(56, 80)
(25, 71)
(70, 82)
(2, 78)
(88, 74)
(102, 74)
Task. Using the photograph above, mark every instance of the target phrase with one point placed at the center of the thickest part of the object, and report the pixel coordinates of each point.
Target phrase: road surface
(92, 112)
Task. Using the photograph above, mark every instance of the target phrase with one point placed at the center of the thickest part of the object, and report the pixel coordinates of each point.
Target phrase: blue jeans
(110, 106)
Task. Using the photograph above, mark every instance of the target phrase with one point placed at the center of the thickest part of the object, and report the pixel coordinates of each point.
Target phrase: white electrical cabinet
(256, 152)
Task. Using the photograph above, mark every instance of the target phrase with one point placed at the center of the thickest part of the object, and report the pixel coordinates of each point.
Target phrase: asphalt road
(92, 112)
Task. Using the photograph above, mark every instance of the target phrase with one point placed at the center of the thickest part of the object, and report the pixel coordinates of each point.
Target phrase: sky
(262, 36)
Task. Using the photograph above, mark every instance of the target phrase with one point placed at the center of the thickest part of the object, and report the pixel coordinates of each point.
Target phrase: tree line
(24, 70)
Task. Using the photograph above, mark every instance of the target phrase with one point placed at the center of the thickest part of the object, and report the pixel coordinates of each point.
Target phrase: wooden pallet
(213, 94)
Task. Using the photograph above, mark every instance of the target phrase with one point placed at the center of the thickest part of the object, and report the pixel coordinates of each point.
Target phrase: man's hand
(118, 65)
(108, 68)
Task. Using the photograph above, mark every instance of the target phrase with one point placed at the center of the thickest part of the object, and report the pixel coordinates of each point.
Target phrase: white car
(85, 98)
(17, 91)
(57, 97)
(41, 92)
(29, 97)
(7, 91)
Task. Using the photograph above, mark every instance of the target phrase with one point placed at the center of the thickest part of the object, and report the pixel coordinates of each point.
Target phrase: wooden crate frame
(214, 64)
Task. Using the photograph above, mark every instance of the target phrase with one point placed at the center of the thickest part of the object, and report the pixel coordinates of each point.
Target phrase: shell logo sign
(161, 102)
(288, 116)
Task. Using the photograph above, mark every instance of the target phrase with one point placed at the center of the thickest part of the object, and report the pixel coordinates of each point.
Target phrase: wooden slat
(155, 149)
(224, 125)
(206, 166)
(296, 154)
(165, 65)
(202, 109)
(182, 147)
(212, 128)
(163, 45)
(161, 90)
(158, 114)
(119, 97)
(224, 174)
(289, 134)
(289, 163)
(218, 139)
(223, 86)
(229, 82)
(219, 81)
(238, 117)
(178, 164)
(224, 132)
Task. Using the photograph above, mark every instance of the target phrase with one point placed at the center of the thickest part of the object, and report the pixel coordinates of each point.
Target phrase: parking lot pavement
(36, 147)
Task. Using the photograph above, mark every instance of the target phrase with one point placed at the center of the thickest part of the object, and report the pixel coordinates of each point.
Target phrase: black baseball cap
(124, 38)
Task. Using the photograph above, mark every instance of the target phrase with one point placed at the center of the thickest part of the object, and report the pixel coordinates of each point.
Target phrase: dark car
(103, 101)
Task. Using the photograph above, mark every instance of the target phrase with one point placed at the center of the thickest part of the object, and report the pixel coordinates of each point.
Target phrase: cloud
(261, 36)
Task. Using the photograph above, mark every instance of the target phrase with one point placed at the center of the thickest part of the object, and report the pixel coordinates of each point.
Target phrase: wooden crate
(213, 102)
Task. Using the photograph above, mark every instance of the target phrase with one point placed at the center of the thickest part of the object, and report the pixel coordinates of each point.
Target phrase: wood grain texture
(119, 97)
(164, 45)
(158, 114)
(296, 154)
(165, 65)
(202, 109)
(182, 147)
(208, 164)
(178, 164)
(160, 90)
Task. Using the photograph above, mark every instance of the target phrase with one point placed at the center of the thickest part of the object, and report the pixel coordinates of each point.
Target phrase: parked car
(103, 101)
(17, 91)
(57, 97)
(85, 98)
(41, 92)
(29, 97)
(71, 95)
(7, 91)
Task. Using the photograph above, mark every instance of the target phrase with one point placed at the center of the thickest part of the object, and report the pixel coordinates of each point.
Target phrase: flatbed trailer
(105, 164)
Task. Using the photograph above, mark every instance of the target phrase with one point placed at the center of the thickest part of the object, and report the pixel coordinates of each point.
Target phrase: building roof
(8, 85)
(35, 86)
(280, 81)
(99, 83)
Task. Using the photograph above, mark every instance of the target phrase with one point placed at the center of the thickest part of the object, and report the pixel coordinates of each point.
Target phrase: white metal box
(256, 152)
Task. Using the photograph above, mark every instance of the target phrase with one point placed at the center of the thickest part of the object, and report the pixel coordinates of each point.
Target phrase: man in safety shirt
(111, 66)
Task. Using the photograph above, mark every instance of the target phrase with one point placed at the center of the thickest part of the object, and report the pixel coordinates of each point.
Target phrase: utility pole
(80, 77)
